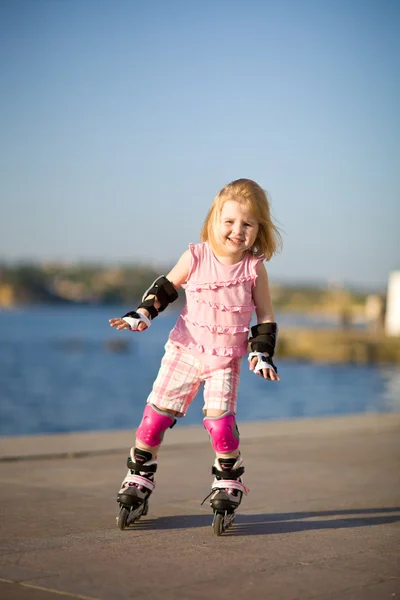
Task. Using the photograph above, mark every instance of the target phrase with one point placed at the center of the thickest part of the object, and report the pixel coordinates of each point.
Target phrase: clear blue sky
(121, 119)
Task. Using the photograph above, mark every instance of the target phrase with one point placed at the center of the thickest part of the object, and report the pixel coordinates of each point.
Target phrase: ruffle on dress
(231, 352)
(227, 329)
(197, 286)
(255, 264)
(223, 307)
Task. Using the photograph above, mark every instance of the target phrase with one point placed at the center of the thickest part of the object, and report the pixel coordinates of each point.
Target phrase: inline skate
(226, 492)
(133, 497)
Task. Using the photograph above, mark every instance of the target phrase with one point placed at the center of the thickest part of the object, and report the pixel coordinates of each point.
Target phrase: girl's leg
(214, 412)
(142, 460)
(220, 394)
(150, 432)
(176, 385)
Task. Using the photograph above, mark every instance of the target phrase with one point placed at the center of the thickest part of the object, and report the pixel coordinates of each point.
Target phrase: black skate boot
(226, 492)
(136, 487)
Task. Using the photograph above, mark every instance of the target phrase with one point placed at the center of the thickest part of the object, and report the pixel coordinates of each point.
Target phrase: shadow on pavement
(273, 523)
(306, 521)
(173, 522)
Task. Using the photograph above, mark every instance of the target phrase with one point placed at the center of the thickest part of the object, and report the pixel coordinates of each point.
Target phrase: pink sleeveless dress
(214, 324)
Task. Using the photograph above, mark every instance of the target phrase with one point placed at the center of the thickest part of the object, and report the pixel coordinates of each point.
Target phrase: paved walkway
(321, 520)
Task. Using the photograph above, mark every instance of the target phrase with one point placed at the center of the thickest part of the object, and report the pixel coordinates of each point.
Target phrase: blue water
(59, 374)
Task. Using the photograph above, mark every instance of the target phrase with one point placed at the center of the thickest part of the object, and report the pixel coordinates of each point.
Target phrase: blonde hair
(254, 199)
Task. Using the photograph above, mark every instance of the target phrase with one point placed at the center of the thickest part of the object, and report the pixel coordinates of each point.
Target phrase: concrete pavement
(321, 520)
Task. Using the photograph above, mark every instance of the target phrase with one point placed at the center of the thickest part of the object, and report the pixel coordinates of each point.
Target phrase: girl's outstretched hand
(268, 374)
(119, 323)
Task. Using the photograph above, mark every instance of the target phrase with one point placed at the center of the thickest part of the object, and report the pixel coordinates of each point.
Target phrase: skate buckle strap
(228, 474)
(230, 483)
(141, 467)
(138, 480)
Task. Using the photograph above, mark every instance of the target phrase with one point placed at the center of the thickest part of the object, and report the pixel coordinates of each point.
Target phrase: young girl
(225, 280)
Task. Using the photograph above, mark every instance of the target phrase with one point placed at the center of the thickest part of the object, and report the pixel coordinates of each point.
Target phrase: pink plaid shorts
(180, 377)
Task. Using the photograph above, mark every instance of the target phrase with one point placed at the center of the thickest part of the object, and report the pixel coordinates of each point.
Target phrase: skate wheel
(218, 524)
(123, 518)
(145, 509)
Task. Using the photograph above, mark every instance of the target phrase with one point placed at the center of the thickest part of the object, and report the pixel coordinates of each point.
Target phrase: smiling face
(237, 230)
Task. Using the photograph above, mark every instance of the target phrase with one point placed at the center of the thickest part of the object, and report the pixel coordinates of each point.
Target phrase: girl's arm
(262, 296)
(265, 314)
(180, 271)
(176, 276)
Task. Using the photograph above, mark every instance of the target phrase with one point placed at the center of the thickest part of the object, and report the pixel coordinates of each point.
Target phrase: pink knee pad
(223, 432)
(153, 426)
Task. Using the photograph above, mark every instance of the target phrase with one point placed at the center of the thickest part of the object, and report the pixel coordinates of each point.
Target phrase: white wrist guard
(263, 362)
(133, 319)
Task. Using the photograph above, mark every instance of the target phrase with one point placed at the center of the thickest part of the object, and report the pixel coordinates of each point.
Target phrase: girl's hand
(119, 323)
(266, 373)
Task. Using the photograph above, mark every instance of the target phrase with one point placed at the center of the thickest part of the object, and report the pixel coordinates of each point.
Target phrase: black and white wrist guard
(263, 338)
(163, 291)
(263, 362)
(133, 319)
(262, 345)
